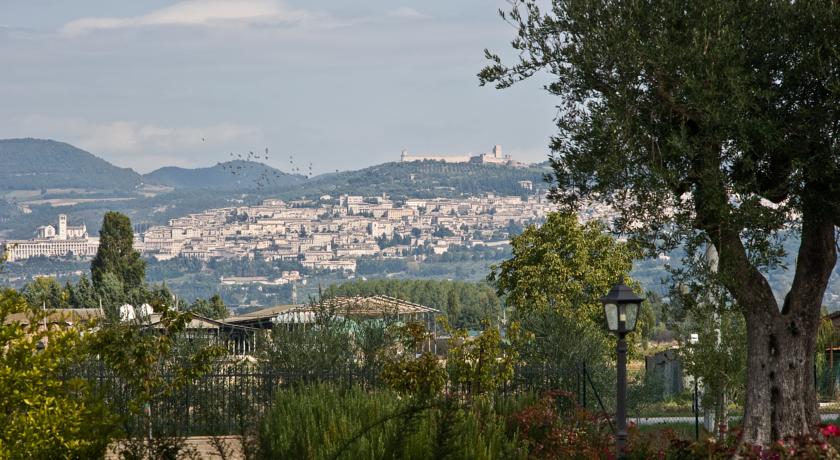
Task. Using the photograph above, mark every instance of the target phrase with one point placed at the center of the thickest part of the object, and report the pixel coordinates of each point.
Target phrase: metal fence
(228, 400)
(232, 398)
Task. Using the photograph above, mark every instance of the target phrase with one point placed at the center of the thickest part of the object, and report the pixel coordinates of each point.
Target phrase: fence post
(189, 427)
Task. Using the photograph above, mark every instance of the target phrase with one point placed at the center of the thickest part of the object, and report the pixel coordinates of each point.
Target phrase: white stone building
(67, 241)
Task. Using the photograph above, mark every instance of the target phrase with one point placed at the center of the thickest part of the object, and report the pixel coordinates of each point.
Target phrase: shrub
(45, 414)
(556, 427)
(323, 422)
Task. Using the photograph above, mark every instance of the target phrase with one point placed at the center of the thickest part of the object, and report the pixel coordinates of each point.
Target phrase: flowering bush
(830, 431)
(801, 447)
(551, 430)
(556, 427)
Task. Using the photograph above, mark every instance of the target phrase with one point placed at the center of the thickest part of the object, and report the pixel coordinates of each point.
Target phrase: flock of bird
(242, 165)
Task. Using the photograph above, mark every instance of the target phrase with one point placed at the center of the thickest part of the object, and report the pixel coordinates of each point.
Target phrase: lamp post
(621, 307)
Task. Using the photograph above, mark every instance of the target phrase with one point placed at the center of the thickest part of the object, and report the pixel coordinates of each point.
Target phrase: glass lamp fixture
(611, 311)
(621, 308)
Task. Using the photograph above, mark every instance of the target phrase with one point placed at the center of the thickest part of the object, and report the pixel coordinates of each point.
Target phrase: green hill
(426, 179)
(33, 164)
(231, 175)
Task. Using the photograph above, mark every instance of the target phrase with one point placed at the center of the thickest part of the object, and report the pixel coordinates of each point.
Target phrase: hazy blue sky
(343, 84)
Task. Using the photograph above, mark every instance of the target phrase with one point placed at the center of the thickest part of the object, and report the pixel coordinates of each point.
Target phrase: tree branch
(713, 210)
(662, 91)
(814, 264)
(746, 283)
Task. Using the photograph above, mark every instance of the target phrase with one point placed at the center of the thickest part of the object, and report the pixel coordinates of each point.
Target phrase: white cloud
(196, 13)
(406, 13)
(133, 144)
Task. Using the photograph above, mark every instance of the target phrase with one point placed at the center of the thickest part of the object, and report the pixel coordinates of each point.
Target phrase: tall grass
(323, 421)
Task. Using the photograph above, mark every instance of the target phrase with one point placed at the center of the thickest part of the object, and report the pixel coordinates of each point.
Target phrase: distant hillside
(32, 164)
(426, 179)
(232, 175)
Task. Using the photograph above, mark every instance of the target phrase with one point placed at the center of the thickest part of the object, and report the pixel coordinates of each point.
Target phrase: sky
(340, 84)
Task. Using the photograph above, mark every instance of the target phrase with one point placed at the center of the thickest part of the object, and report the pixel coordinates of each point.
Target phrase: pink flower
(830, 431)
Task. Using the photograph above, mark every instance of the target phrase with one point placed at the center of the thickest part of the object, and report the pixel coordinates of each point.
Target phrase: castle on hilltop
(494, 157)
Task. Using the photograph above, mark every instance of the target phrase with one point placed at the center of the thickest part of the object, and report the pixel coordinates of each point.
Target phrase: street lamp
(621, 307)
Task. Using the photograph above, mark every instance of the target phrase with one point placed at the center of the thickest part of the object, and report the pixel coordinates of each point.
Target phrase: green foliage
(481, 364)
(557, 275)
(139, 356)
(563, 266)
(718, 358)
(116, 254)
(213, 307)
(426, 179)
(409, 370)
(701, 305)
(827, 337)
(112, 292)
(453, 305)
(46, 415)
(45, 292)
(442, 232)
(327, 426)
(82, 294)
(316, 349)
(555, 345)
(396, 239)
(663, 99)
(372, 340)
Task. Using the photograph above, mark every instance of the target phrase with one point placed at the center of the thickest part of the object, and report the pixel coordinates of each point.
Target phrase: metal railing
(231, 399)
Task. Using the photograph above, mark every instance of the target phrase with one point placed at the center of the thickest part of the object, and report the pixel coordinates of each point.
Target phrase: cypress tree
(116, 253)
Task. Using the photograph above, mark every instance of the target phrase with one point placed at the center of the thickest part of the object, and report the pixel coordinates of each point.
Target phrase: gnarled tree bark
(781, 394)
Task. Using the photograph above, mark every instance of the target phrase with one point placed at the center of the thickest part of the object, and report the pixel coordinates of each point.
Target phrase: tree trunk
(781, 396)
(721, 417)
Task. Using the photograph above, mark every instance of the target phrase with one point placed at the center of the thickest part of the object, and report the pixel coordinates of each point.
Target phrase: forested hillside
(231, 175)
(426, 179)
(33, 164)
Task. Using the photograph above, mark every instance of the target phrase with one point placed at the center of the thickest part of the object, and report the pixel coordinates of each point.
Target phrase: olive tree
(714, 120)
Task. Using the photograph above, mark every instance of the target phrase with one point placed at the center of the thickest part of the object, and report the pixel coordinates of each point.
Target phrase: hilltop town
(332, 233)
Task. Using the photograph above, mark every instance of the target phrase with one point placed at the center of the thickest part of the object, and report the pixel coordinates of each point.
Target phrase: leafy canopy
(562, 266)
(553, 285)
(717, 116)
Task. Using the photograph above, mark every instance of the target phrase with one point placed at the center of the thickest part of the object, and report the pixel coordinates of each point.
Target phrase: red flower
(830, 431)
